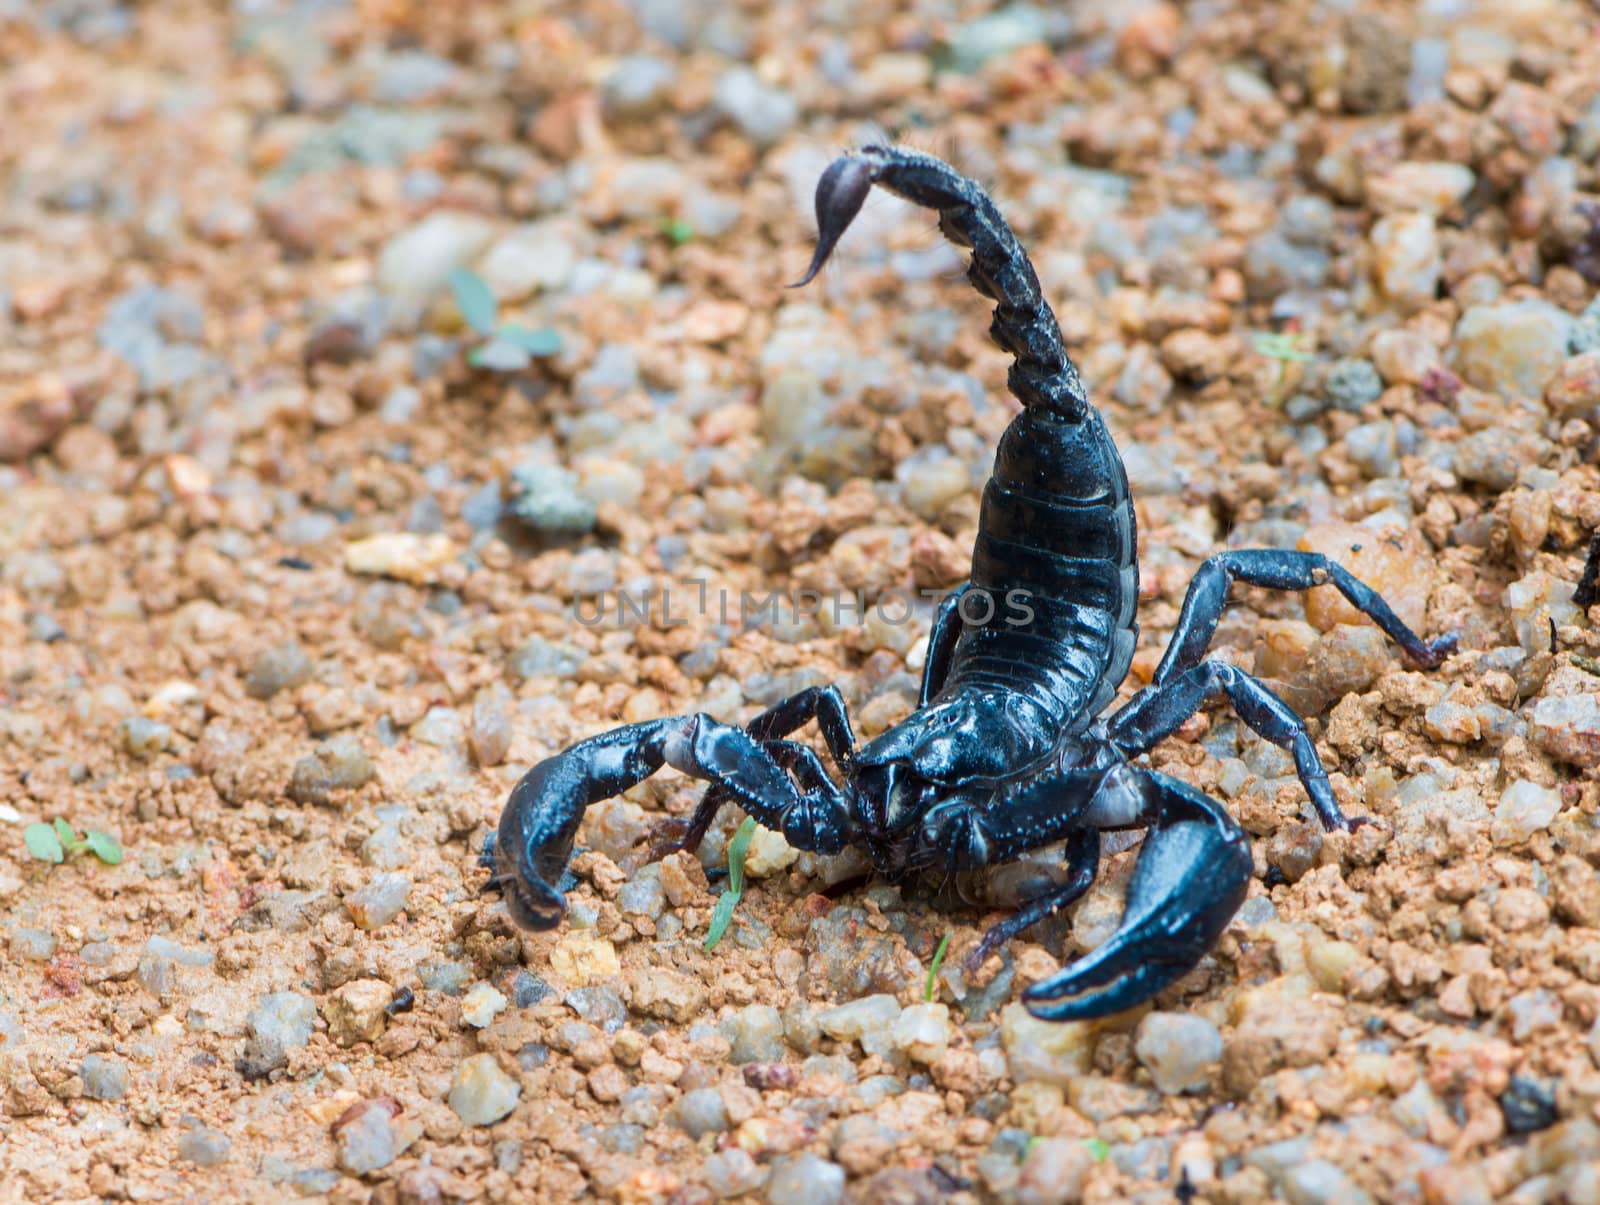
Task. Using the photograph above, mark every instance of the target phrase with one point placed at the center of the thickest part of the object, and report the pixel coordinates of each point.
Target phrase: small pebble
(481, 1094)
(338, 764)
(851, 1021)
(923, 1031)
(103, 1078)
(203, 1146)
(1513, 348)
(763, 114)
(286, 1018)
(143, 738)
(547, 498)
(404, 555)
(481, 1005)
(805, 1179)
(755, 1034)
(1178, 1050)
(1353, 384)
(699, 1112)
(732, 1173)
(357, 1011)
(380, 901)
(283, 667)
(368, 1139)
(32, 945)
(1568, 728)
(1525, 808)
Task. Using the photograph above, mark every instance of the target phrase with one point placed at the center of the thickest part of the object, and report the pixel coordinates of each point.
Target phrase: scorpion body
(1007, 753)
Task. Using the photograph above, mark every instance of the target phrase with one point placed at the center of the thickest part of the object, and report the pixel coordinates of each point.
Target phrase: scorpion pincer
(1007, 751)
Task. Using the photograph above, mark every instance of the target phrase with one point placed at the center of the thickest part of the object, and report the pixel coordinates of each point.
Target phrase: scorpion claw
(1191, 877)
(840, 194)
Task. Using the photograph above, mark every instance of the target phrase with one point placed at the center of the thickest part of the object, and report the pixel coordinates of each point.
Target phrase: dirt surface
(287, 589)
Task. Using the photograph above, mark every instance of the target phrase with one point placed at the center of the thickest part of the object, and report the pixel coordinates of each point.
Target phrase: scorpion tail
(1042, 376)
(1191, 877)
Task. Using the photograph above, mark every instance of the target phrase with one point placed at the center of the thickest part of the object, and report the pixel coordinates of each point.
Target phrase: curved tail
(1042, 377)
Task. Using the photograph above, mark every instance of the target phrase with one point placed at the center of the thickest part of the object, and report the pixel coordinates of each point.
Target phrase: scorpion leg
(1156, 712)
(1083, 861)
(1192, 874)
(822, 703)
(541, 817)
(1279, 569)
(947, 625)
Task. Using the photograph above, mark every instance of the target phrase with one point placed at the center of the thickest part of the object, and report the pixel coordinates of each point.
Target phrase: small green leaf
(721, 918)
(103, 846)
(68, 835)
(933, 967)
(678, 231)
(541, 342)
(736, 852)
(722, 914)
(473, 299)
(1281, 346)
(43, 843)
(1098, 1149)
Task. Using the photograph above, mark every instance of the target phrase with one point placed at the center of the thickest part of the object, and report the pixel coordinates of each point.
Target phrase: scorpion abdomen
(1057, 541)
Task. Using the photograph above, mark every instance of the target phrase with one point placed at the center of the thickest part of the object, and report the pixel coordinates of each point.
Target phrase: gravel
(380, 901)
(285, 1018)
(288, 584)
(805, 1179)
(1178, 1051)
(699, 1112)
(481, 1093)
(104, 1078)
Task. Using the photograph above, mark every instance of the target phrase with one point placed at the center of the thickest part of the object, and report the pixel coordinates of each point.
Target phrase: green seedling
(722, 915)
(1286, 347)
(933, 969)
(507, 346)
(53, 842)
(678, 231)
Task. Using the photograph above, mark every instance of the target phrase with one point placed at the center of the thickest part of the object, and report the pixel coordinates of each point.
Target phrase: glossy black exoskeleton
(1007, 752)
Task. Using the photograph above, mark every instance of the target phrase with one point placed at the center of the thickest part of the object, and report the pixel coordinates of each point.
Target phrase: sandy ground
(289, 563)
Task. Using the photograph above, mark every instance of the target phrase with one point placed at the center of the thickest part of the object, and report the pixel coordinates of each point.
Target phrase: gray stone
(338, 764)
(805, 1179)
(203, 1146)
(415, 264)
(1513, 347)
(286, 1018)
(637, 86)
(764, 114)
(755, 1034)
(32, 945)
(1353, 384)
(1178, 1049)
(542, 658)
(283, 667)
(104, 1078)
(699, 1112)
(643, 895)
(732, 1173)
(547, 498)
(369, 1140)
(1373, 448)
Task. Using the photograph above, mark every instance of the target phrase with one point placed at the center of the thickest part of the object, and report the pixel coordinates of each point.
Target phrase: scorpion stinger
(1006, 753)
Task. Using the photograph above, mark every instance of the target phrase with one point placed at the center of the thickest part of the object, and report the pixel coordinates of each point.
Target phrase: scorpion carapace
(1007, 752)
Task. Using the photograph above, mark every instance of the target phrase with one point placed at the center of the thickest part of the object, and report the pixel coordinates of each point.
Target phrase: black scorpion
(1004, 754)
